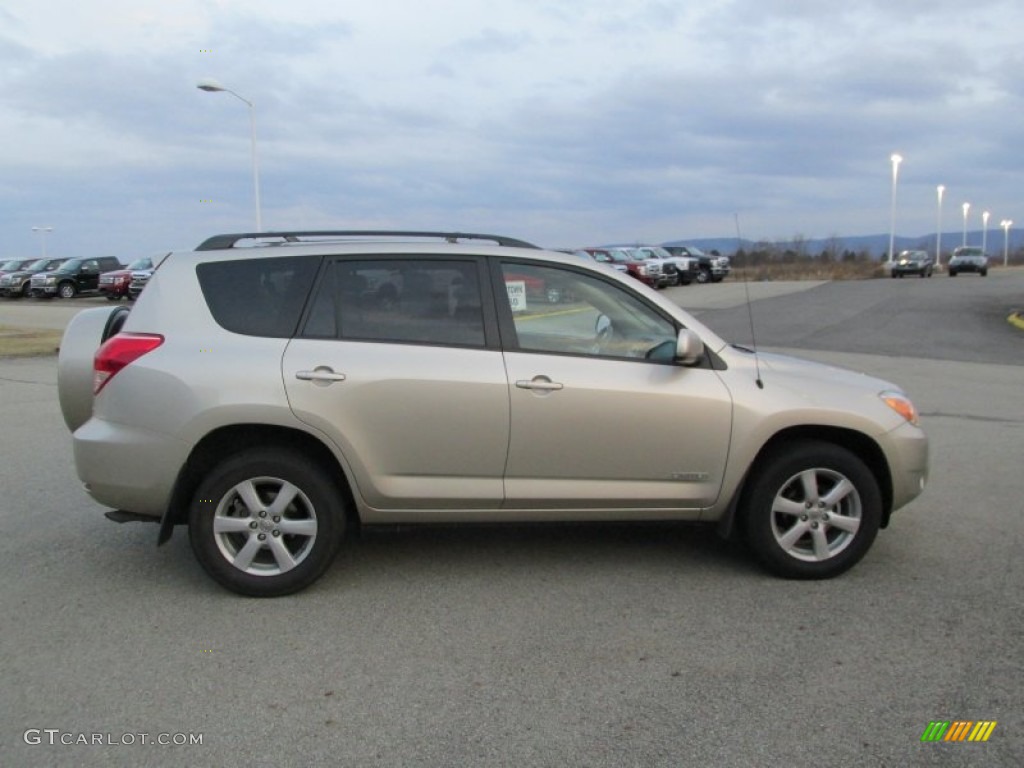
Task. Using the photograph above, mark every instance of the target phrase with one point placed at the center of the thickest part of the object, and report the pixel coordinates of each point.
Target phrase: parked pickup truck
(73, 277)
(711, 269)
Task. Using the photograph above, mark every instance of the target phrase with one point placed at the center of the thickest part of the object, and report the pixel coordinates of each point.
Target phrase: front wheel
(812, 510)
(704, 276)
(984, 272)
(266, 522)
(67, 290)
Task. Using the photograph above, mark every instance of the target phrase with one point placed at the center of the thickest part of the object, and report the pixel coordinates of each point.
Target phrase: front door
(602, 418)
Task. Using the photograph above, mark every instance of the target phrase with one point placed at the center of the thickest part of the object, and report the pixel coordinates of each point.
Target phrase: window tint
(399, 300)
(563, 311)
(258, 297)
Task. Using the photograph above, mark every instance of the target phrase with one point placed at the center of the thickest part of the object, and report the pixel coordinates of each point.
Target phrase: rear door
(602, 418)
(398, 362)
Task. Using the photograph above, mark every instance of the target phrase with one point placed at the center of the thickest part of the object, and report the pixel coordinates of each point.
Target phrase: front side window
(418, 301)
(563, 311)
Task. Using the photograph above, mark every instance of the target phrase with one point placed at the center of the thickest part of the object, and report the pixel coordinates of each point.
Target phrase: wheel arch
(227, 441)
(859, 444)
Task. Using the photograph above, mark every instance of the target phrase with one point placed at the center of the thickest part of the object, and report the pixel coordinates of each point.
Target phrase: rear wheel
(266, 522)
(812, 510)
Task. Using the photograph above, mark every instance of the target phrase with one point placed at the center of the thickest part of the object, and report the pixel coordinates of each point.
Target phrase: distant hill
(876, 245)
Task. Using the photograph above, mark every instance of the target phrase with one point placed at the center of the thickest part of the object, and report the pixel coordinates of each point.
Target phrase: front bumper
(906, 449)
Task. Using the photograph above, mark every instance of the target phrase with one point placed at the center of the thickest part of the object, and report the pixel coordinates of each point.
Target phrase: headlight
(901, 404)
(50, 280)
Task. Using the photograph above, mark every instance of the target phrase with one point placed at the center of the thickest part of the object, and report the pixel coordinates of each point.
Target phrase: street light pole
(42, 231)
(967, 207)
(938, 229)
(896, 160)
(1006, 224)
(212, 86)
(984, 231)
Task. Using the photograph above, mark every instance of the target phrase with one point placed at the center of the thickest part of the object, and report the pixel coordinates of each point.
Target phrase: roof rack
(219, 242)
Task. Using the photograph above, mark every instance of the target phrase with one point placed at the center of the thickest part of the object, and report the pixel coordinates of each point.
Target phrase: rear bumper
(127, 468)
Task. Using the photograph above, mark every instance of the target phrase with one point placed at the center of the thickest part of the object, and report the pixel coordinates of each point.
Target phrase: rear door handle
(322, 374)
(539, 384)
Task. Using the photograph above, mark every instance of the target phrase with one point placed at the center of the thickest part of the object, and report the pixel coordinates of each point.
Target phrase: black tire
(776, 506)
(704, 275)
(67, 290)
(952, 273)
(315, 513)
(112, 297)
(984, 272)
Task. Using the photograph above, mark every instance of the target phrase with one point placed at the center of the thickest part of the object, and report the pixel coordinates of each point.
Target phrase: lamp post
(984, 231)
(212, 86)
(1006, 224)
(938, 229)
(42, 231)
(896, 160)
(967, 207)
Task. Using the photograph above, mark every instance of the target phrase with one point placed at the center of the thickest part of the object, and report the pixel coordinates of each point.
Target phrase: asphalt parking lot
(593, 645)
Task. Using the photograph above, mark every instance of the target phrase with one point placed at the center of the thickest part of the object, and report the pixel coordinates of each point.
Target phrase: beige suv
(272, 397)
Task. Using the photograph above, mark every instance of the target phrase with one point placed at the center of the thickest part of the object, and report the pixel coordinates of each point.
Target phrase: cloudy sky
(564, 122)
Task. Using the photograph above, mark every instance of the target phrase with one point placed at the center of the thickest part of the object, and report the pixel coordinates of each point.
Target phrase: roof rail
(219, 242)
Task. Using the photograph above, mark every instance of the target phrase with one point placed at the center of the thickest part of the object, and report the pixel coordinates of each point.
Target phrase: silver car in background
(274, 397)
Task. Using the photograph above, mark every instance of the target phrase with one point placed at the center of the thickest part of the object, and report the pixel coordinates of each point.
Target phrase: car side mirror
(689, 347)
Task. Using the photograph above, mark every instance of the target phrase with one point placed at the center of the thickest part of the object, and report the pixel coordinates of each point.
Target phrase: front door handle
(322, 374)
(539, 384)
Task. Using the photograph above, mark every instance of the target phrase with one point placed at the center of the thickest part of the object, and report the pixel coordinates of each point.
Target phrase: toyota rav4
(314, 382)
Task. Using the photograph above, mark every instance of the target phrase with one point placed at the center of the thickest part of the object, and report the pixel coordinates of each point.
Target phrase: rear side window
(413, 301)
(258, 297)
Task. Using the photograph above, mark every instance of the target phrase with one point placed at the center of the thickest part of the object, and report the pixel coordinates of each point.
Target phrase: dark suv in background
(73, 277)
(913, 263)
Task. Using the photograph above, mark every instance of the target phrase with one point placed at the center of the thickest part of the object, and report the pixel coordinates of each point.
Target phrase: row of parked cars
(660, 266)
(48, 277)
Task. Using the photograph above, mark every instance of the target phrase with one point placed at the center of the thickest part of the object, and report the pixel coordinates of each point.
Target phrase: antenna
(750, 308)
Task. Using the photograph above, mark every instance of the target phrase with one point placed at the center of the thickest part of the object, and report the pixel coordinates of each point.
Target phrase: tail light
(118, 351)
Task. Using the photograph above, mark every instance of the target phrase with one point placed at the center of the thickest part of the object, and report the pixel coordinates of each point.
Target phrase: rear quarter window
(258, 297)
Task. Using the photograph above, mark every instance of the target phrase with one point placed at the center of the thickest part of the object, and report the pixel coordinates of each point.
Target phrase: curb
(1016, 319)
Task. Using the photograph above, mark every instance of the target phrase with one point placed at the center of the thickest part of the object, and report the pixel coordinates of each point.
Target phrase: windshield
(36, 266)
(51, 266)
(71, 264)
(968, 251)
(144, 263)
(9, 265)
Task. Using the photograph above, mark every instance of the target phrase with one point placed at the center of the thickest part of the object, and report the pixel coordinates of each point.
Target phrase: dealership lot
(530, 645)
